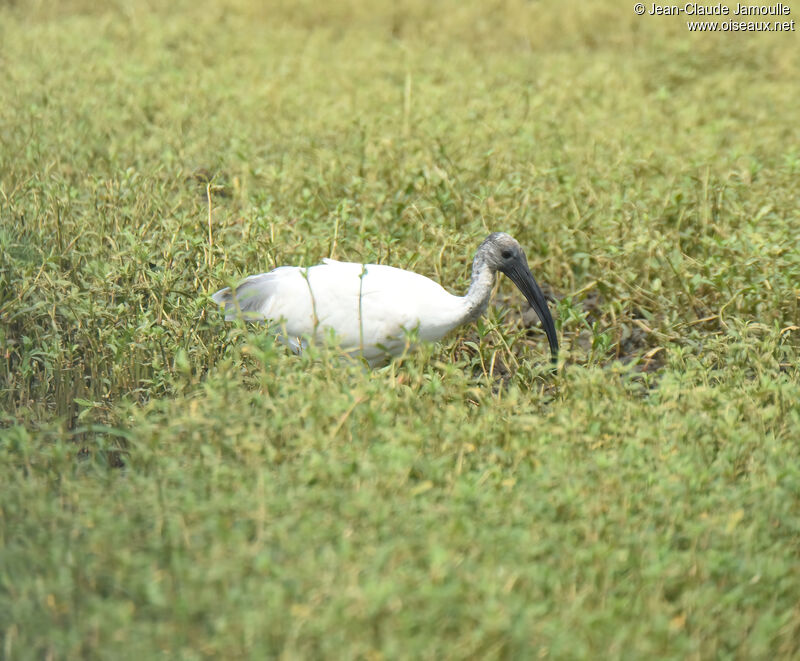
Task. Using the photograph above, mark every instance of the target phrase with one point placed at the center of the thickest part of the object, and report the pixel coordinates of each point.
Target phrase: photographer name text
(695, 9)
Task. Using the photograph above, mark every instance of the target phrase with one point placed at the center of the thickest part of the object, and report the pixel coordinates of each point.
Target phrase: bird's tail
(223, 296)
(226, 299)
(246, 300)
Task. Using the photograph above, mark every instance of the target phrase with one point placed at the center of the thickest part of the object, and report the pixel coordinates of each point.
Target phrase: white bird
(371, 308)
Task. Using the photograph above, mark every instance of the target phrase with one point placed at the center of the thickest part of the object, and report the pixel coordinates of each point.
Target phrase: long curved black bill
(522, 277)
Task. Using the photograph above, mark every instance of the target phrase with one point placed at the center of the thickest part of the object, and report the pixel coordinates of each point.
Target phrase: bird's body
(371, 308)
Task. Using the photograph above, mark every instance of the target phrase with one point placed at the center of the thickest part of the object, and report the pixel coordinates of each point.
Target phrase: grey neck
(480, 288)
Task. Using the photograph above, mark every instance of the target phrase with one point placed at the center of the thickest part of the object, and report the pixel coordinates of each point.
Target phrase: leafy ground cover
(174, 485)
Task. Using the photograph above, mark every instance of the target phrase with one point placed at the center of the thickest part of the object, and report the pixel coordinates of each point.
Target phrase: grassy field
(172, 486)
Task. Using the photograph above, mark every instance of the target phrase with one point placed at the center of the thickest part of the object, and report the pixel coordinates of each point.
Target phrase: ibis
(371, 308)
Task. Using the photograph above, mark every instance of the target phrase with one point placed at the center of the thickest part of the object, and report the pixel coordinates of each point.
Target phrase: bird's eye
(506, 254)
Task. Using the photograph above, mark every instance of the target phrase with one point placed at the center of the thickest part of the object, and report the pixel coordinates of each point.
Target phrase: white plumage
(371, 307)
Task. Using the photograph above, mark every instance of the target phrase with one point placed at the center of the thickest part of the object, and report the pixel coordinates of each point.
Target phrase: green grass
(174, 486)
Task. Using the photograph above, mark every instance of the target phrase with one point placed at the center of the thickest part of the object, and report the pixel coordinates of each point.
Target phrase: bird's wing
(398, 301)
(369, 306)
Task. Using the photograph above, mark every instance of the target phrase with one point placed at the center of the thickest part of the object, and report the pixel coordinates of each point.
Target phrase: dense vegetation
(175, 485)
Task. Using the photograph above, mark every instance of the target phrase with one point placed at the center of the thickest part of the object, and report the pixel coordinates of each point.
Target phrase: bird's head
(502, 253)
